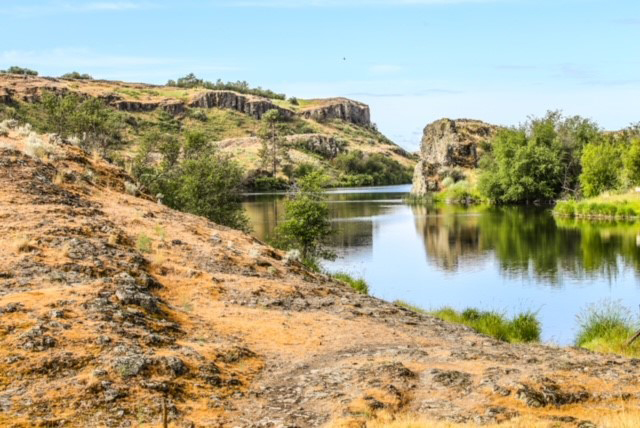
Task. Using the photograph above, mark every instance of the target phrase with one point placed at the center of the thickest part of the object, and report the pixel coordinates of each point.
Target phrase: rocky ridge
(29, 89)
(446, 145)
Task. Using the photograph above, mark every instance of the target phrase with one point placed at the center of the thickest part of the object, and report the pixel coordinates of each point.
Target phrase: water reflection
(527, 241)
(506, 258)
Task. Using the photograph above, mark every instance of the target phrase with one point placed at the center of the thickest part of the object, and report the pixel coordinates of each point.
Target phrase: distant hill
(317, 130)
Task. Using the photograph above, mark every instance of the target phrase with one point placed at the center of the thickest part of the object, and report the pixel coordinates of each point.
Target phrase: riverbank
(217, 328)
(608, 206)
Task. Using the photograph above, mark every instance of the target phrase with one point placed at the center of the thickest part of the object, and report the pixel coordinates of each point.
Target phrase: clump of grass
(606, 327)
(36, 148)
(409, 306)
(144, 243)
(160, 232)
(131, 188)
(522, 328)
(358, 284)
(597, 208)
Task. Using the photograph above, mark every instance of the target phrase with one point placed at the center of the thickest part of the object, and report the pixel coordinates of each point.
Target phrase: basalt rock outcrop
(340, 108)
(447, 145)
(251, 105)
(326, 146)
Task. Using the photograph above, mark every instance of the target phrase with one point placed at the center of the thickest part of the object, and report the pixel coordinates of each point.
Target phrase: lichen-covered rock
(446, 145)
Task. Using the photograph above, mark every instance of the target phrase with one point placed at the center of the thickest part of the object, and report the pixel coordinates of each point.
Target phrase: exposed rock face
(170, 106)
(340, 108)
(253, 106)
(449, 144)
(326, 146)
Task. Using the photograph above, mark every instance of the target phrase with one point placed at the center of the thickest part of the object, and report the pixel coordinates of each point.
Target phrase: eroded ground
(221, 330)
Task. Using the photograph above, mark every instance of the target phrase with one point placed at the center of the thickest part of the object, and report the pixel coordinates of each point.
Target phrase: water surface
(507, 258)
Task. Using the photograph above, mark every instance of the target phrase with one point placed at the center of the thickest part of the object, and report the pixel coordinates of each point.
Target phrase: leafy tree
(632, 163)
(601, 168)
(274, 149)
(521, 169)
(538, 161)
(90, 119)
(306, 225)
(192, 177)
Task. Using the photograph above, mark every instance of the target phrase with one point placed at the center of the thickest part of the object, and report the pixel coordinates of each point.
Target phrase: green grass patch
(460, 192)
(144, 243)
(522, 328)
(358, 284)
(606, 327)
(606, 206)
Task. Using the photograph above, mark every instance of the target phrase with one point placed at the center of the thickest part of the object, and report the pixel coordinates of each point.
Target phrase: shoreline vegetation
(568, 161)
(604, 328)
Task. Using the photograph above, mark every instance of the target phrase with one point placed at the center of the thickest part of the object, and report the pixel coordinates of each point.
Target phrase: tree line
(556, 157)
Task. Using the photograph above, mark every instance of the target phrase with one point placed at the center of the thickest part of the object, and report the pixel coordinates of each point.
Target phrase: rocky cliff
(140, 98)
(251, 105)
(339, 108)
(448, 144)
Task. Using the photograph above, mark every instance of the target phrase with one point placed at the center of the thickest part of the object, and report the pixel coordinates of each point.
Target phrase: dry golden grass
(628, 418)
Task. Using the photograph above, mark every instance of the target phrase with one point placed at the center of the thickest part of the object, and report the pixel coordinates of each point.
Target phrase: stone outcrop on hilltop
(248, 104)
(340, 108)
(448, 144)
(18, 88)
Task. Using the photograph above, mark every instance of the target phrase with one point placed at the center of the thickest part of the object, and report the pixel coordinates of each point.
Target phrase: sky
(412, 61)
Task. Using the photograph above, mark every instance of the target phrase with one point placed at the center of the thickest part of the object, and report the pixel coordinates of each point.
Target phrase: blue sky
(412, 61)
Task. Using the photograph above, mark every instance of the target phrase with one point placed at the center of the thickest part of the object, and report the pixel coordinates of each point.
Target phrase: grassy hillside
(143, 109)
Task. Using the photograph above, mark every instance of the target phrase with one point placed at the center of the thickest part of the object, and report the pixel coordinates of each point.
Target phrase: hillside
(317, 131)
(111, 305)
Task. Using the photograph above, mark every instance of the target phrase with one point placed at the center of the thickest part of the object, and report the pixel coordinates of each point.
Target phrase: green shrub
(192, 177)
(19, 70)
(198, 115)
(606, 327)
(358, 284)
(265, 184)
(77, 76)
(359, 166)
(522, 328)
(144, 243)
(565, 208)
(306, 226)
